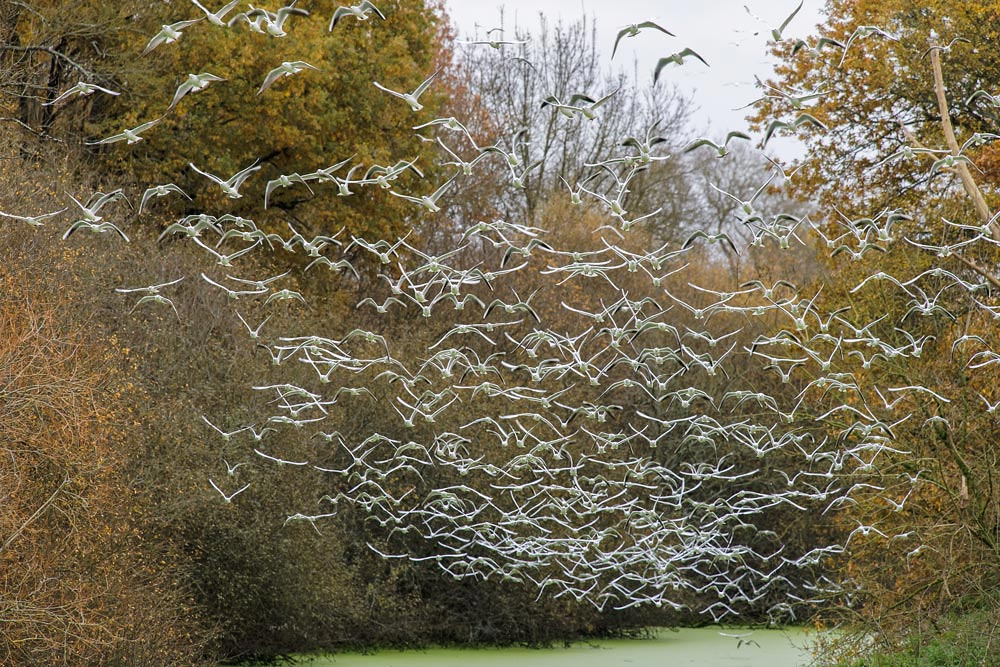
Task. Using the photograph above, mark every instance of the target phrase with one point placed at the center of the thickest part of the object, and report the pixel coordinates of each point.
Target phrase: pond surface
(705, 647)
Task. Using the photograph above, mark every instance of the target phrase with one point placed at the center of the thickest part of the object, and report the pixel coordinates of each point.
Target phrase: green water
(705, 647)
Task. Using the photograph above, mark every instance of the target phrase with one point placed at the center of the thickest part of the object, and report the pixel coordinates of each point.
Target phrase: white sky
(721, 31)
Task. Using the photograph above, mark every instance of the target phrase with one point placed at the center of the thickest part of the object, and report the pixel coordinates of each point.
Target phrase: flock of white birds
(588, 457)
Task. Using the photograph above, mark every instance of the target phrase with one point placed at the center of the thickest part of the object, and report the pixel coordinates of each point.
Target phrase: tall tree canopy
(907, 97)
(876, 96)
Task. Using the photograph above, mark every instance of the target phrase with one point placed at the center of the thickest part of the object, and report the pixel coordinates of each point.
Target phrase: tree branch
(52, 52)
(34, 516)
(949, 136)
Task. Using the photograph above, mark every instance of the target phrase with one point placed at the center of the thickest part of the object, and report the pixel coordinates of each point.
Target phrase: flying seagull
(578, 103)
(799, 120)
(160, 191)
(428, 201)
(129, 135)
(776, 32)
(149, 289)
(633, 30)
(33, 220)
(410, 98)
(82, 89)
(946, 48)
(96, 201)
(711, 238)
(722, 149)
(229, 497)
(215, 18)
(818, 49)
(151, 293)
(226, 435)
(269, 23)
(676, 58)
(155, 298)
(361, 12)
(170, 33)
(286, 68)
(225, 260)
(994, 100)
(194, 83)
(230, 187)
(861, 32)
(495, 43)
(284, 181)
(99, 227)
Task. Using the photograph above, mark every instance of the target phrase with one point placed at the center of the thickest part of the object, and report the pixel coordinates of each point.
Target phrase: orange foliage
(75, 586)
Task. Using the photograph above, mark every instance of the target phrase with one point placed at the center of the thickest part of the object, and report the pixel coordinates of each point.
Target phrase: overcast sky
(721, 31)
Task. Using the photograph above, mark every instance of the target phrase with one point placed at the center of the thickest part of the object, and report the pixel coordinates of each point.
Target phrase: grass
(969, 640)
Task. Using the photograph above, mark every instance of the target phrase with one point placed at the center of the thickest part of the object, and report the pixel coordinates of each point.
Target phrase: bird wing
(580, 97)
(337, 14)
(773, 127)
(552, 100)
(703, 141)
(444, 187)
(108, 140)
(604, 99)
(387, 90)
(212, 177)
(79, 88)
(158, 38)
(621, 33)
(186, 87)
(415, 200)
(99, 199)
(181, 25)
(784, 24)
(661, 63)
(809, 118)
(203, 8)
(736, 134)
(271, 185)
(108, 226)
(690, 52)
(240, 253)
(147, 125)
(226, 9)
(94, 86)
(423, 86)
(283, 14)
(150, 192)
(655, 26)
(239, 177)
(271, 77)
(366, 4)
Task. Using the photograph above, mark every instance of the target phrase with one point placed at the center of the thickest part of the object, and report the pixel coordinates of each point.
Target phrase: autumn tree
(82, 581)
(327, 113)
(904, 94)
(876, 96)
(187, 533)
(526, 90)
(49, 46)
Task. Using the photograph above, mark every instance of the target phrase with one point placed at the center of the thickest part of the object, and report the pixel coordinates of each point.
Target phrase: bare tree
(558, 114)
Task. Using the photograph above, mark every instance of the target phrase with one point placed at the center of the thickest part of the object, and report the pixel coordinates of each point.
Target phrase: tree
(876, 141)
(80, 581)
(47, 47)
(899, 175)
(526, 92)
(300, 124)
